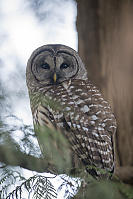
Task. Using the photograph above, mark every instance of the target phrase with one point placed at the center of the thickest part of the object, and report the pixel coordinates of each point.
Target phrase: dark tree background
(105, 36)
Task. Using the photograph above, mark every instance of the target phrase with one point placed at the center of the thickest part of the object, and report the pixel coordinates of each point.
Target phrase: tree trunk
(105, 35)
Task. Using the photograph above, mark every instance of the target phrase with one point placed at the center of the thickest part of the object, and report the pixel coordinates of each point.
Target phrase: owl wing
(89, 124)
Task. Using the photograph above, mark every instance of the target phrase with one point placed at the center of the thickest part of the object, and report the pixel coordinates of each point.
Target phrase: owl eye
(45, 66)
(64, 66)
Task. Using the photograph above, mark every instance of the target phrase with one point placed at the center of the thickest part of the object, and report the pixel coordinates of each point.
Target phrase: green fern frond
(44, 189)
(39, 185)
(8, 177)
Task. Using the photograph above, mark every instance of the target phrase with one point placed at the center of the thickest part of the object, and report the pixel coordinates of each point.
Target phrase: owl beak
(54, 77)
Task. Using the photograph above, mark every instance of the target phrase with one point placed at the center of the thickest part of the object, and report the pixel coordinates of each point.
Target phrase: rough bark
(105, 36)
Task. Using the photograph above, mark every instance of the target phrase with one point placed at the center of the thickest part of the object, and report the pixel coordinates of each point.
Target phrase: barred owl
(56, 72)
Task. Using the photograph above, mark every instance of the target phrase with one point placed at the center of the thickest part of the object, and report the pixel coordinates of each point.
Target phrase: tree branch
(11, 156)
(14, 157)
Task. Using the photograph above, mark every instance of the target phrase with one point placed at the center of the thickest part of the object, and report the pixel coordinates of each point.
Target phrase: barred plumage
(79, 109)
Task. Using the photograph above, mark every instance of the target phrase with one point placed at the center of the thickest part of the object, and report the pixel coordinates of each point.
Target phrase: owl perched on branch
(56, 74)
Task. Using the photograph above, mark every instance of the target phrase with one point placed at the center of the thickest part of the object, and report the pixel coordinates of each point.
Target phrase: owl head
(53, 64)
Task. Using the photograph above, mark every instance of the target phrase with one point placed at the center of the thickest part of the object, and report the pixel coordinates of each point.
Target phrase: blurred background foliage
(105, 44)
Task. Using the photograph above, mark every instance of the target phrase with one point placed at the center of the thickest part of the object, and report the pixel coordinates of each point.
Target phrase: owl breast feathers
(57, 76)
